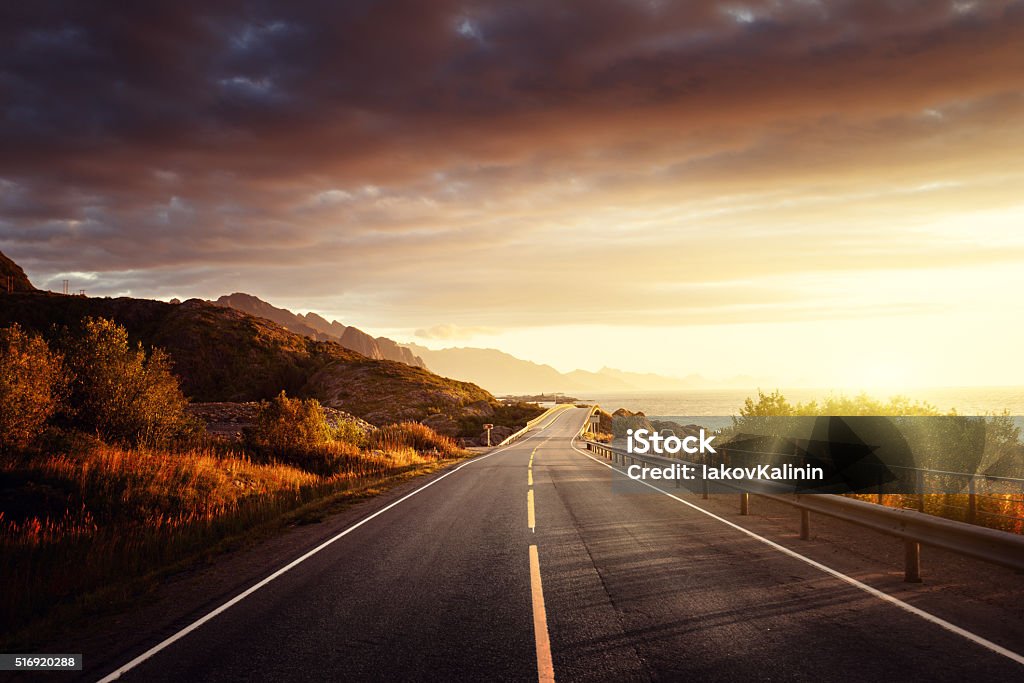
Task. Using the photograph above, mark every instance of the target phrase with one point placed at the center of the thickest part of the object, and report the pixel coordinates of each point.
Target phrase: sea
(713, 408)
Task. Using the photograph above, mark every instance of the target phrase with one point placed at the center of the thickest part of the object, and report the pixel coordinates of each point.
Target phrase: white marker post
(488, 427)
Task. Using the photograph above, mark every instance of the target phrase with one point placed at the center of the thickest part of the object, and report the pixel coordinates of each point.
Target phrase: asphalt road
(438, 586)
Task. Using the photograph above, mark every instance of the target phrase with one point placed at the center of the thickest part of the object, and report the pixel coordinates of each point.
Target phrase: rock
(621, 424)
(442, 424)
(479, 409)
(682, 431)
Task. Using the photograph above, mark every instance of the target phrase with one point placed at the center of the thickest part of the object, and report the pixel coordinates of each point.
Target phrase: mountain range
(503, 373)
(316, 327)
(497, 371)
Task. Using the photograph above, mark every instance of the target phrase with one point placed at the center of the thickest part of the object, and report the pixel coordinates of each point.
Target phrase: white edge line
(117, 673)
(927, 616)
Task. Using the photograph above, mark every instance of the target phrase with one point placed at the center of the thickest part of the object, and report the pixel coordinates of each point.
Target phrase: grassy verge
(131, 517)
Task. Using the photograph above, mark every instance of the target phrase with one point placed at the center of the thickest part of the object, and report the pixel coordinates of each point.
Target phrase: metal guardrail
(535, 421)
(984, 494)
(915, 528)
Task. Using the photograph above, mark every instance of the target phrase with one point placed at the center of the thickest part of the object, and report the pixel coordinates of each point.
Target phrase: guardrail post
(704, 489)
(744, 503)
(805, 525)
(972, 501)
(912, 567)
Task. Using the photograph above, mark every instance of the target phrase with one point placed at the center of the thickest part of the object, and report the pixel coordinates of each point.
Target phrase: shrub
(32, 382)
(120, 393)
(413, 435)
(350, 432)
(285, 425)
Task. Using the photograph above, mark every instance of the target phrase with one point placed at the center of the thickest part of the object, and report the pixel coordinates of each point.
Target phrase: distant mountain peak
(317, 327)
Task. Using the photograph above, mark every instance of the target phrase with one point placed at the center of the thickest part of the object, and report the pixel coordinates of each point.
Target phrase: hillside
(12, 277)
(315, 327)
(222, 354)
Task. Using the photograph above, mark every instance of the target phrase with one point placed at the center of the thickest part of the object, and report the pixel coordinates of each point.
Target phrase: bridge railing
(914, 527)
(534, 422)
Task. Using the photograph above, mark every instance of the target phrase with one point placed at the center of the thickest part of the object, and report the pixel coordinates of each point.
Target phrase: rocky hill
(222, 354)
(316, 327)
(12, 277)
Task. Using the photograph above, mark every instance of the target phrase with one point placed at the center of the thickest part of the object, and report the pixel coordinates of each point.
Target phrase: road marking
(557, 414)
(529, 476)
(531, 517)
(927, 616)
(545, 669)
(117, 673)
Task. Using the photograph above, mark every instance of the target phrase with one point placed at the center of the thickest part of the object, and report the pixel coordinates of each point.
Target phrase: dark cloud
(333, 146)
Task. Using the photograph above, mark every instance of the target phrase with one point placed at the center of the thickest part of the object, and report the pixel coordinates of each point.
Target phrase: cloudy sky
(812, 191)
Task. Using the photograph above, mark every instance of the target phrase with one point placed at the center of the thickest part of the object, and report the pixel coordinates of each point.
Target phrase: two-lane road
(440, 585)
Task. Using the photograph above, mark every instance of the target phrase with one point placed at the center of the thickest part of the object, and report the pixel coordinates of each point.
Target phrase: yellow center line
(545, 669)
(529, 477)
(531, 518)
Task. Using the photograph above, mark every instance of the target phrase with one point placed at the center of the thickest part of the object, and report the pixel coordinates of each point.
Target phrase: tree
(32, 383)
(118, 391)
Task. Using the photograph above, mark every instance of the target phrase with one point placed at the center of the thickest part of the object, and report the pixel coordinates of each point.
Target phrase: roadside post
(488, 427)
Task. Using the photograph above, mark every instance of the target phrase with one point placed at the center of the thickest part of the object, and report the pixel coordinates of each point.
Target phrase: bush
(350, 433)
(413, 435)
(32, 383)
(285, 425)
(120, 393)
(299, 432)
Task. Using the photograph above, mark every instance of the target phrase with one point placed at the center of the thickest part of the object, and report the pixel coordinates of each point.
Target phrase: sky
(812, 192)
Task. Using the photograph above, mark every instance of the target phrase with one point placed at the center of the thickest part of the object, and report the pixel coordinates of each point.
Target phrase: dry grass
(81, 522)
(413, 435)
